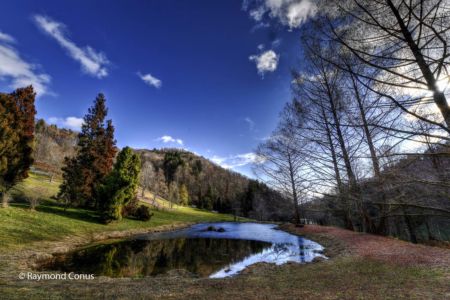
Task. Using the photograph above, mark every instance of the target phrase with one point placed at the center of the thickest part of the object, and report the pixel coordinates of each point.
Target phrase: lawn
(50, 222)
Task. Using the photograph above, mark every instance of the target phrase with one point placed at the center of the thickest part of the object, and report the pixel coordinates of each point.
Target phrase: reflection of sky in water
(285, 247)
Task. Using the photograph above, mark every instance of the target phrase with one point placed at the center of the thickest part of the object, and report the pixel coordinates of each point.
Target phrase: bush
(143, 213)
(130, 208)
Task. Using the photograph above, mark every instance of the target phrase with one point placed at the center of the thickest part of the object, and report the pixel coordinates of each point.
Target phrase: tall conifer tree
(96, 151)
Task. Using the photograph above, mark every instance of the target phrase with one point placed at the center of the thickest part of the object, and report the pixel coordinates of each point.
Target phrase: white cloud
(250, 123)
(276, 43)
(260, 25)
(257, 13)
(266, 61)
(18, 72)
(239, 160)
(150, 80)
(6, 38)
(298, 13)
(73, 123)
(168, 139)
(92, 62)
(291, 13)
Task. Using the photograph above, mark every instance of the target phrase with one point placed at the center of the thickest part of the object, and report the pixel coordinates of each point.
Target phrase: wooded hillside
(197, 181)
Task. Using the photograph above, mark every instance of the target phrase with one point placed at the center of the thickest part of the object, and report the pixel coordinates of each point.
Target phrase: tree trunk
(354, 190)
(373, 153)
(294, 191)
(340, 136)
(347, 214)
(4, 197)
(410, 227)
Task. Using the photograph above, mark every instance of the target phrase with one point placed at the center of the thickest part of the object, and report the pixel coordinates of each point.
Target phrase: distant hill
(209, 186)
(52, 145)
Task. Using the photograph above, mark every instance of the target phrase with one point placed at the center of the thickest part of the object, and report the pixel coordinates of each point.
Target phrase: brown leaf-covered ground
(361, 266)
(384, 249)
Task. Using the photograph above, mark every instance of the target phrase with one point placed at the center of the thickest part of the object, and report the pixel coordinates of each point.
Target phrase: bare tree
(147, 177)
(283, 162)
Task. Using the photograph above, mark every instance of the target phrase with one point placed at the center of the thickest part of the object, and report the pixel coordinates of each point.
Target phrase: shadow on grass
(78, 214)
(73, 213)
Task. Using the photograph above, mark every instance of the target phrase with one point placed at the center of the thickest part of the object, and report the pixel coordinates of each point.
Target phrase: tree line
(364, 144)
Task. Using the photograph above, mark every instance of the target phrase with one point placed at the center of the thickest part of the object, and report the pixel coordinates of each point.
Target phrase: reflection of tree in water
(287, 251)
(144, 258)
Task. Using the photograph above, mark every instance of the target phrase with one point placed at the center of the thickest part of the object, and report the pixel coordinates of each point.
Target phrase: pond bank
(349, 274)
(27, 259)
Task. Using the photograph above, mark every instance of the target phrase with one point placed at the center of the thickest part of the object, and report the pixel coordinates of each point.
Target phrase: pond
(214, 250)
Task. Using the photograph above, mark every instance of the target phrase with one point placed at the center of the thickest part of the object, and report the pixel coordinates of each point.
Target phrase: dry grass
(380, 248)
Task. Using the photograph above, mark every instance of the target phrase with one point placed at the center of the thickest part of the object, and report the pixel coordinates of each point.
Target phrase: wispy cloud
(73, 123)
(166, 139)
(239, 160)
(17, 71)
(150, 80)
(291, 13)
(266, 61)
(92, 62)
(6, 38)
(276, 42)
(250, 123)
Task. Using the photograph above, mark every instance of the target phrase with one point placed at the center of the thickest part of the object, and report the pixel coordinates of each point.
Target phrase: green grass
(22, 226)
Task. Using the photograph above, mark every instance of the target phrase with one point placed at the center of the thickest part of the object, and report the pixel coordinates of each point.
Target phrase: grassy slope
(21, 226)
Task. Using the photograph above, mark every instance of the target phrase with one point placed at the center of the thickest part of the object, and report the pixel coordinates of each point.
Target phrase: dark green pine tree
(83, 174)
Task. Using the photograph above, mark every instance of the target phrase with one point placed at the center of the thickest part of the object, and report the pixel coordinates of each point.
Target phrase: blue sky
(208, 76)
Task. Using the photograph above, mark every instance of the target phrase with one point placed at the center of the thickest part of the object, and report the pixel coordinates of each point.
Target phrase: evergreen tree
(94, 160)
(172, 161)
(71, 189)
(208, 199)
(196, 171)
(17, 112)
(120, 186)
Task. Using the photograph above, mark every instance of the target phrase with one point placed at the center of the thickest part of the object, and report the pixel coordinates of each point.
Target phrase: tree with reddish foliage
(96, 151)
(17, 114)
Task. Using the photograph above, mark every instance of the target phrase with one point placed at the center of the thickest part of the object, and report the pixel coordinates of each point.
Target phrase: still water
(223, 251)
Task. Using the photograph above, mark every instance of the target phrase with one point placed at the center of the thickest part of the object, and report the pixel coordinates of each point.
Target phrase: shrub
(143, 213)
(130, 208)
